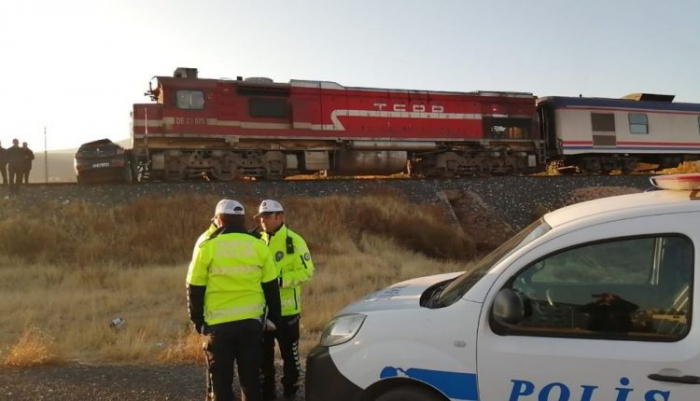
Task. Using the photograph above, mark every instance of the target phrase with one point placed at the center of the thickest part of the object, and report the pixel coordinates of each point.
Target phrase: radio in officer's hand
(290, 245)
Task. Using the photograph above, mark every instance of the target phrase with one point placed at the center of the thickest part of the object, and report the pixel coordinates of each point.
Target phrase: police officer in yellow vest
(292, 256)
(231, 282)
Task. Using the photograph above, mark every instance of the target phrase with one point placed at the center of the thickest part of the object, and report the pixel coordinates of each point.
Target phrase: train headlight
(342, 329)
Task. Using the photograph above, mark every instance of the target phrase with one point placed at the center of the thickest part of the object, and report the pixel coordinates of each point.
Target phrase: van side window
(635, 289)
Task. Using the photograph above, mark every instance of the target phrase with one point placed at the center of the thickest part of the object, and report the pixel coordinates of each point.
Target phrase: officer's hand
(269, 325)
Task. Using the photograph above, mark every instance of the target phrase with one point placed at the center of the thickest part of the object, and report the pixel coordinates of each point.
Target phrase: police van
(593, 302)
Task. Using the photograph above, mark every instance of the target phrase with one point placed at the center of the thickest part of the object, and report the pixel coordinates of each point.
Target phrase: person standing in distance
(292, 257)
(15, 165)
(28, 157)
(3, 164)
(231, 281)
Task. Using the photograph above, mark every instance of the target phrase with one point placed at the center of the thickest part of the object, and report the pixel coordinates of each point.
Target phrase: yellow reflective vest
(296, 268)
(203, 237)
(233, 267)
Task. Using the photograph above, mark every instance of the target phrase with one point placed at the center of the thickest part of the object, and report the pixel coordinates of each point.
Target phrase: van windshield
(457, 288)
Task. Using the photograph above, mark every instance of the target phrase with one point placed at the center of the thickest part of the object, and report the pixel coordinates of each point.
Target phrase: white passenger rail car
(598, 135)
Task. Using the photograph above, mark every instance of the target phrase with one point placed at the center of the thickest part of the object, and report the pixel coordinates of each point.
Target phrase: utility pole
(46, 159)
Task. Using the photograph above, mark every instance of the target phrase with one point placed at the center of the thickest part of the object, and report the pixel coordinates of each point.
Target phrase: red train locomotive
(259, 128)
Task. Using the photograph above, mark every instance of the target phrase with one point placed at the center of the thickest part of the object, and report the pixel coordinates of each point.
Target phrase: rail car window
(639, 124)
(603, 122)
(268, 108)
(190, 100)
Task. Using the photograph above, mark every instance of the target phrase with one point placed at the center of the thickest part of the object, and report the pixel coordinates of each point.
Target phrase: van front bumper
(324, 381)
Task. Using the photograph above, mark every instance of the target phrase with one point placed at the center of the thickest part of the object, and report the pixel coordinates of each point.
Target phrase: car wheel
(409, 393)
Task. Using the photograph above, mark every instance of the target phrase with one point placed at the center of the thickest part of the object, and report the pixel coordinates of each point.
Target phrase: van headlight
(341, 329)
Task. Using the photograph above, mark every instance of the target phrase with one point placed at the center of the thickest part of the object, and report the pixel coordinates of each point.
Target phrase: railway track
(512, 196)
(339, 179)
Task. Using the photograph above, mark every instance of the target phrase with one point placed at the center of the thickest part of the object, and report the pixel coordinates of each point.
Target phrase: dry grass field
(68, 269)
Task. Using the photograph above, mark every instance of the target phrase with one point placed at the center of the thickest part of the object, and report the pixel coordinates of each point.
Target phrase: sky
(75, 67)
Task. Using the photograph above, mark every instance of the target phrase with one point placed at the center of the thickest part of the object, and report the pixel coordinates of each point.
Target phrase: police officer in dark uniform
(296, 268)
(231, 284)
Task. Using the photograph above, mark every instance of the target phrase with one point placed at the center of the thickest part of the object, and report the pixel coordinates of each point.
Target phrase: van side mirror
(508, 307)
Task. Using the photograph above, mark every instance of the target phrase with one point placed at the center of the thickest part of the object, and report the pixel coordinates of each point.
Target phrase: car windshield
(100, 148)
(457, 288)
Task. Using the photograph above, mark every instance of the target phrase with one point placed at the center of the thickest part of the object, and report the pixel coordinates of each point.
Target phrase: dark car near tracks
(104, 161)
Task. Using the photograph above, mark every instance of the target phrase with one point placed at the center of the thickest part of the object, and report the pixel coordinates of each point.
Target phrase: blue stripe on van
(455, 385)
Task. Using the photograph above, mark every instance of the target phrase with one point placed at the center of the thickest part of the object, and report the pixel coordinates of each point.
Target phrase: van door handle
(675, 379)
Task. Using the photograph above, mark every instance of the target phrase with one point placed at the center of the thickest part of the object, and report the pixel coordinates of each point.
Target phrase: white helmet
(269, 206)
(229, 206)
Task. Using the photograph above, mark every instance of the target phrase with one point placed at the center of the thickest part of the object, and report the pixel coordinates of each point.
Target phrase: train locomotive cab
(195, 129)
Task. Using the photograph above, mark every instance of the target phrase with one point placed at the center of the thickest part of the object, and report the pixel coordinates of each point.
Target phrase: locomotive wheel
(225, 175)
(173, 176)
(451, 161)
(174, 173)
(274, 171)
(448, 172)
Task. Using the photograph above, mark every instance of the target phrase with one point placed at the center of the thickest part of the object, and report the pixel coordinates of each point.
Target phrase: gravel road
(103, 382)
(108, 382)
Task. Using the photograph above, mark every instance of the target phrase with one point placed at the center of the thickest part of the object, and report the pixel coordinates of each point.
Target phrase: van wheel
(412, 393)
